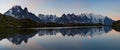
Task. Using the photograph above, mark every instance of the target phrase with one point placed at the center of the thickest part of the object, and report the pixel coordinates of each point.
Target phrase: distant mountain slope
(19, 13)
(85, 18)
(48, 18)
(72, 18)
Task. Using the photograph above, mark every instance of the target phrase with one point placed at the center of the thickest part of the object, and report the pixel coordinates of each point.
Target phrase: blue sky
(109, 8)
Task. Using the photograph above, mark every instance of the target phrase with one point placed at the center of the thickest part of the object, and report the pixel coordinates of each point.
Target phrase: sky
(108, 8)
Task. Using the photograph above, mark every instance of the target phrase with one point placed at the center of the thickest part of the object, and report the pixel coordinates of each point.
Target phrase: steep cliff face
(19, 13)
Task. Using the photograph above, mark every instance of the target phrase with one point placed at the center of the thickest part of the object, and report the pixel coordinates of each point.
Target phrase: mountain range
(23, 13)
(19, 13)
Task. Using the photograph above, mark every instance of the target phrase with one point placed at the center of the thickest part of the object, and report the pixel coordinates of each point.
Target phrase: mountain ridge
(19, 13)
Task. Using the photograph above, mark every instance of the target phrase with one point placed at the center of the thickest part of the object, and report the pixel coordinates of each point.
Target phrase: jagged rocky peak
(25, 9)
(19, 13)
(48, 18)
(64, 15)
(84, 18)
(41, 15)
(90, 15)
(17, 6)
(16, 9)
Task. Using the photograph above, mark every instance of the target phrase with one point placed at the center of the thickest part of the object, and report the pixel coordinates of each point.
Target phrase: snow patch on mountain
(19, 13)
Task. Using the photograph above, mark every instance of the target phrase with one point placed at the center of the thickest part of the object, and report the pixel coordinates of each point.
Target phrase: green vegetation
(116, 25)
(7, 21)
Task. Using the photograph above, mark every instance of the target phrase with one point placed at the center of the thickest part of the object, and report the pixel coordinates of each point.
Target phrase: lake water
(92, 38)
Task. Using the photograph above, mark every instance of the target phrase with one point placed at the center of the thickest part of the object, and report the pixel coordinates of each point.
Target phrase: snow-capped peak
(48, 18)
(19, 13)
(83, 18)
(89, 15)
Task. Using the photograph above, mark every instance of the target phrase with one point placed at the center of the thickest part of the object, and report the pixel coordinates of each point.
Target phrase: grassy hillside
(7, 21)
(116, 25)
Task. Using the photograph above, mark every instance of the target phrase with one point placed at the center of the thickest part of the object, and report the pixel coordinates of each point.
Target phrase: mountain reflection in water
(17, 36)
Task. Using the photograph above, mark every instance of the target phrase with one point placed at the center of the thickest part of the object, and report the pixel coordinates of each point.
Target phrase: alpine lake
(60, 38)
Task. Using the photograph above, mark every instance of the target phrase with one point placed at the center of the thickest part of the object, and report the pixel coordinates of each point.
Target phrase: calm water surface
(103, 38)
